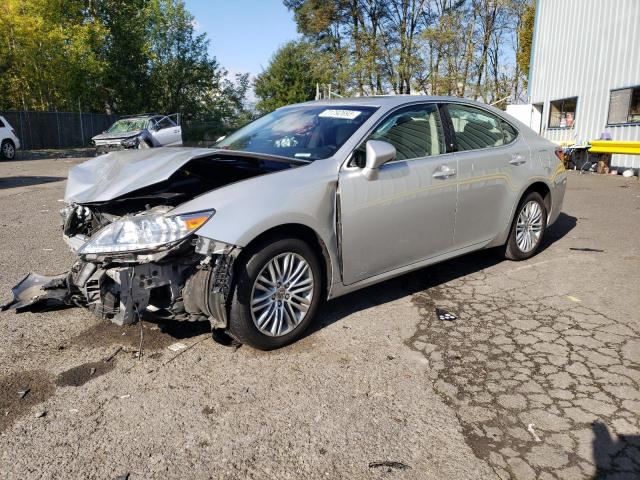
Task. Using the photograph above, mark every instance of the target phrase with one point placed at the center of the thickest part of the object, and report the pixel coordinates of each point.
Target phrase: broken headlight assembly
(130, 142)
(144, 232)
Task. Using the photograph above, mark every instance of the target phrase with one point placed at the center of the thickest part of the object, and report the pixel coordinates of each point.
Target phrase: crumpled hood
(109, 176)
(116, 136)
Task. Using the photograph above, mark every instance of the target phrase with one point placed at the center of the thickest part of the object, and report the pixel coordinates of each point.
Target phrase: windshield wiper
(261, 156)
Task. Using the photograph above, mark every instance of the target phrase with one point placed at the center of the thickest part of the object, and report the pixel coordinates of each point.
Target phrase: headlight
(130, 142)
(144, 232)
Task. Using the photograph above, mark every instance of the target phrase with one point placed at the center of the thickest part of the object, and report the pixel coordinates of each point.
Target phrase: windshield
(128, 125)
(301, 132)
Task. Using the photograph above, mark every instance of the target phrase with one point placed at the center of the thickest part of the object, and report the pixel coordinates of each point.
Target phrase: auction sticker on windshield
(345, 114)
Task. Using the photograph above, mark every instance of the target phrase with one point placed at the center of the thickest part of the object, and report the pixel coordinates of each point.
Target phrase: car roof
(391, 101)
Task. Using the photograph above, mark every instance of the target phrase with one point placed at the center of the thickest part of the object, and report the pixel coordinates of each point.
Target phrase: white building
(584, 77)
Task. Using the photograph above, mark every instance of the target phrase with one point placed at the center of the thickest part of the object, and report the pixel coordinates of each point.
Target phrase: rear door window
(165, 122)
(475, 129)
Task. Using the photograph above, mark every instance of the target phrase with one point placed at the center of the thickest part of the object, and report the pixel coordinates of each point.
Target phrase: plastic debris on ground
(444, 315)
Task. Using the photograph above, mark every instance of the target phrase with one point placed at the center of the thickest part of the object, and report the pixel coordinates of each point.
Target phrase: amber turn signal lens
(195, 222)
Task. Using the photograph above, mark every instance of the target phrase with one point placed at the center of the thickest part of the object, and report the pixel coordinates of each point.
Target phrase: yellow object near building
(614, 146)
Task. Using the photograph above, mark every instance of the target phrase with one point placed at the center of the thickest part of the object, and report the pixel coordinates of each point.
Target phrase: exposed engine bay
(184, 277)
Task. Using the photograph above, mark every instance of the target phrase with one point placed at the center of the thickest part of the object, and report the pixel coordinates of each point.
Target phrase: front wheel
(528, 228)
(277, 293)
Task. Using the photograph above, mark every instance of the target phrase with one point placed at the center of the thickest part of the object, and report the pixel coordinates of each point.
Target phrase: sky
(243, 33)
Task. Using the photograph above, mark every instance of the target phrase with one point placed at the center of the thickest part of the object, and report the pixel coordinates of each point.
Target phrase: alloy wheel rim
(529, 227)
(282, 294)
(8, 150)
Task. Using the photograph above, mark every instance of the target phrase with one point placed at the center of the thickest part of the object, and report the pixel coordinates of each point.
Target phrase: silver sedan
(305, 204)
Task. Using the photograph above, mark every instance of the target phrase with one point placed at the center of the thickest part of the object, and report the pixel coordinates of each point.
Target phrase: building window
(562, 113)
(624, 106)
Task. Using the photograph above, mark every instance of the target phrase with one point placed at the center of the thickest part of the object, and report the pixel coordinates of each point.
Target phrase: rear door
(407, 213)
(490, 158)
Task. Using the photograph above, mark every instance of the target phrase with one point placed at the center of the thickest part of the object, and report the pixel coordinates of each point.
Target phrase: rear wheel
(277, 294)
(528, 228)
(8, 150)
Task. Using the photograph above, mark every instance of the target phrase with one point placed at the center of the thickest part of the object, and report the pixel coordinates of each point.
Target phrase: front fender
(303, 195)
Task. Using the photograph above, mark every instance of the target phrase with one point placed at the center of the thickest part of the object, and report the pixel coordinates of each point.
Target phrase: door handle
(444, 172)
(517, 159)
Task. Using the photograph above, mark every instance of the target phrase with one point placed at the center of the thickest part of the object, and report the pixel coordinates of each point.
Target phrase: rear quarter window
(509, 132)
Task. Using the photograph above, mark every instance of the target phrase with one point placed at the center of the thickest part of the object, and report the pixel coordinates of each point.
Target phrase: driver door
(407, 214)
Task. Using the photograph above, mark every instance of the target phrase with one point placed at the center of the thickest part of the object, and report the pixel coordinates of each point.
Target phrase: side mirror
(377, 153)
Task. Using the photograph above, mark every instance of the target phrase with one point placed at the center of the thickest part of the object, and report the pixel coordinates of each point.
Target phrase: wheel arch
(301, 232)
(538, 186)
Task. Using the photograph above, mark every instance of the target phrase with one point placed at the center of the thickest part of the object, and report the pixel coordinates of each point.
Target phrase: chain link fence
(42, 130)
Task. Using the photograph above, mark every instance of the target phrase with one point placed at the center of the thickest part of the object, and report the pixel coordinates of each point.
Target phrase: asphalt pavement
(535, 372)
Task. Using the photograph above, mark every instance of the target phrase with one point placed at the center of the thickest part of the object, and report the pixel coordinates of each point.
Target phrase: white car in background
(9, 141)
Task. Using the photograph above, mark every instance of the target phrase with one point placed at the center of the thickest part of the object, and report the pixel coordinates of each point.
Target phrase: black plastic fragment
(585, 249)
(389, 464)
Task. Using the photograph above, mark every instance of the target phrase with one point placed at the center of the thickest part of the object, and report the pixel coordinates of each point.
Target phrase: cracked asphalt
(537, 376)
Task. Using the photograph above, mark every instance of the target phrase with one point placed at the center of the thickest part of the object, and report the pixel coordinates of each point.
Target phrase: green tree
(47, 54)
(291, 76)
(183, 77)
(525, 38)
(125, 51)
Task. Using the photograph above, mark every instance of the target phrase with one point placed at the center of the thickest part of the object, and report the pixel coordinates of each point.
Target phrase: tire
(254, 264)
(8, 150)
(523, 242)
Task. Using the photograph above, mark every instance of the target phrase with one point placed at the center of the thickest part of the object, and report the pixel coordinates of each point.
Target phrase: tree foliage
(120, 56)
(525, 38)
(48, 54)
(291, 76)
(452, 47)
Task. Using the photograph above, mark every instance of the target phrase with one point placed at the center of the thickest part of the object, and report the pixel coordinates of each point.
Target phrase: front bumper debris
(185, 285)
(38, 292)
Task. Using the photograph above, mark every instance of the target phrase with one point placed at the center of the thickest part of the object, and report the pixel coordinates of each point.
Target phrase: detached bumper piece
(38, 292)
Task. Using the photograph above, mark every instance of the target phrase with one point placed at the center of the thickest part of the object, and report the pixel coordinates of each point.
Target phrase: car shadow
(24, 181)
(563, 225)
(183, 330)
(426, 278)
(615, 457)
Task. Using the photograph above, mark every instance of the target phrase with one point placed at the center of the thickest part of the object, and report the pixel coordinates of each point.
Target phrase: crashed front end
(110, 142)
(135, 257)
(147, 265)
